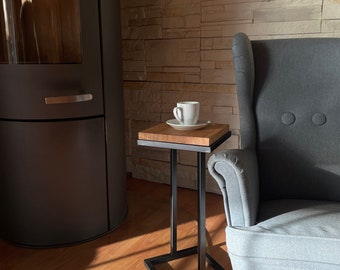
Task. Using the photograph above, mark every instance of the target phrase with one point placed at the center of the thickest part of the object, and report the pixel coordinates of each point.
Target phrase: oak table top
(205, 136)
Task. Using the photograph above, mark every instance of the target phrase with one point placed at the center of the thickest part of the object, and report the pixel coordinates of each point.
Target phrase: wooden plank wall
(181, 50)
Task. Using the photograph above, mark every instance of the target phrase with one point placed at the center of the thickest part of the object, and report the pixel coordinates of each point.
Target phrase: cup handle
(178, 113)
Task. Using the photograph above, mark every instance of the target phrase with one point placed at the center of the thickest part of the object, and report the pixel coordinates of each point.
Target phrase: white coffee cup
(187, 112)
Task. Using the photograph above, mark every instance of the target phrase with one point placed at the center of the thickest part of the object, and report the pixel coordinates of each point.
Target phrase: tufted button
(288, 118)
(319, 119)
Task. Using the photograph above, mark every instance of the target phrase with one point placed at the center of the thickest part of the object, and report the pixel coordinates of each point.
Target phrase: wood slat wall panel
(181, 50)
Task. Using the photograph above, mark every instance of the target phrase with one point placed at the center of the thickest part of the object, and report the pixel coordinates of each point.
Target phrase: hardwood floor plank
(143, 234)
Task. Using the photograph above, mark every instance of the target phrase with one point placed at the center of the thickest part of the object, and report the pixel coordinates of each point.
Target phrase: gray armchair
(281, 190)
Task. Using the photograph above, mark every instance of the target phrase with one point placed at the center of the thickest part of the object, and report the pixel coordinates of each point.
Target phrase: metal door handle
(68, 99)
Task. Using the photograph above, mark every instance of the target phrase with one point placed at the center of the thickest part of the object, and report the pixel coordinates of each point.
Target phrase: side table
(202, 141)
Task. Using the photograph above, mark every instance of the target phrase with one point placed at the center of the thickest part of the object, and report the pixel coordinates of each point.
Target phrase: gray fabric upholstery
(245, 76)
(236, 171)
(298, 80)
(309, 234)
(282, 188)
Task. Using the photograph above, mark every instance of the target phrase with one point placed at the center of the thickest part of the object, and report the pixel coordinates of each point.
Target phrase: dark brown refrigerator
(62, 165)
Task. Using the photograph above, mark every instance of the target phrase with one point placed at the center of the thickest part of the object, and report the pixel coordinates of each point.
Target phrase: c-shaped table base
(201, 248)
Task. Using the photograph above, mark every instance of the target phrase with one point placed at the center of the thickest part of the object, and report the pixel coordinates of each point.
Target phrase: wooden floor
(143, 234)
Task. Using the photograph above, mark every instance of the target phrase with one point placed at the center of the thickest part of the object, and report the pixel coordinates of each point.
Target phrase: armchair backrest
(289, 99)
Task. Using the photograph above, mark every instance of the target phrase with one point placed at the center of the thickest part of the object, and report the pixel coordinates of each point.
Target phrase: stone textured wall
(181, 50)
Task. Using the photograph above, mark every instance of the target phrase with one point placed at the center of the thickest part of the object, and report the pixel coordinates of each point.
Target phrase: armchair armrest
(236, 173)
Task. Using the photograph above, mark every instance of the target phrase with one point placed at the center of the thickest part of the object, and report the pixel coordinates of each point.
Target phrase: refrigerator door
(50, 60)
(53, 189)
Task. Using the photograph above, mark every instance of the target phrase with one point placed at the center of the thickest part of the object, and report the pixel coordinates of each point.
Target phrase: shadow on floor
(144, 233)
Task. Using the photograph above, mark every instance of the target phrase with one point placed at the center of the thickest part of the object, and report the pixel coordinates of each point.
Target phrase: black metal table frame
(174, 254)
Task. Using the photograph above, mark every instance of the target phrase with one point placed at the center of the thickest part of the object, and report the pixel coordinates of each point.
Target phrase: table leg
(201, 248)
(201, 210)
(201, 199)
(173, 211)
(174, 253)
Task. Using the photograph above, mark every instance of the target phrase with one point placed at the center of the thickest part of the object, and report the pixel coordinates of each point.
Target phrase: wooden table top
(204, 137)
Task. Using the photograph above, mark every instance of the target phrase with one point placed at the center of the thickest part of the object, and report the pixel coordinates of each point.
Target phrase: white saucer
(176, 125)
